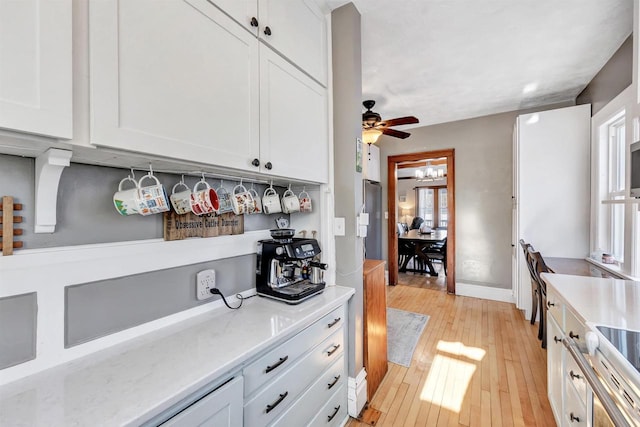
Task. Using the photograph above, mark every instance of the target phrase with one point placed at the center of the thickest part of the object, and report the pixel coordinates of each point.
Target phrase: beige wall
(483, 173)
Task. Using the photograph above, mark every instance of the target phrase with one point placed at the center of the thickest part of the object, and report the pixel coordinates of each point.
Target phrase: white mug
(181, 201)
(305, 202)
(127, 202)
(290, 202)
(242, 200)
(257, 202)
(153, 197)
(271, 201)
(204, 201)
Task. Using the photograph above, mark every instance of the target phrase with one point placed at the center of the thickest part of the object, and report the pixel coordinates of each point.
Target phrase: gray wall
(483, 173)
(85, 211)
(612, 79)
(347, 123)
(93, 310)
(18, 314)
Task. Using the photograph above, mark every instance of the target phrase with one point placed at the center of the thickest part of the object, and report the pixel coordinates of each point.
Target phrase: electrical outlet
(205, 281)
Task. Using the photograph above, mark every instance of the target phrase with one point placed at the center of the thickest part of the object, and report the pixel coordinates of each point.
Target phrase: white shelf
(621, 201)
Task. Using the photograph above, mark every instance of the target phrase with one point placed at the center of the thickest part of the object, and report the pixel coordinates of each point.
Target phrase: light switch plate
(338, 226)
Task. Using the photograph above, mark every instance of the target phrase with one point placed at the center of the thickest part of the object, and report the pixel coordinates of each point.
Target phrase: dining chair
(534, 283)
(539, 267)
(438, 252)
(415, 224)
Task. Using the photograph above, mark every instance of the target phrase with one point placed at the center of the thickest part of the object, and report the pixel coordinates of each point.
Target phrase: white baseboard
(485, 292)
(357, 393)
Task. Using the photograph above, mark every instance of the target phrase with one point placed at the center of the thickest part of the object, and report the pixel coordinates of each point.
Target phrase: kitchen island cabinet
(148, 378)
(36, 68)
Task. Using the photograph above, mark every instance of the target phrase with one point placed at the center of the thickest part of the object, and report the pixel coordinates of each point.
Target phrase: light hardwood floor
(477, 363)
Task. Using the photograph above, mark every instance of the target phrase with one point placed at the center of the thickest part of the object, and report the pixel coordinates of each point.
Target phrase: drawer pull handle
(574, 375)
(278, 363)
(277, 402)
(574, 336)
(335, 381)
(573, 418)
(334, 323)
(333, 350)
(556, 339)
(335, 412)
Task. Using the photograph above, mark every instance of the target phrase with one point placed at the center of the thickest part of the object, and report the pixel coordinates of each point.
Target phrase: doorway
(392, 199)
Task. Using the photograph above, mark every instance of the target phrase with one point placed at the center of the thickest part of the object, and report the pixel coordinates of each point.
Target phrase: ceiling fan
(373, 126)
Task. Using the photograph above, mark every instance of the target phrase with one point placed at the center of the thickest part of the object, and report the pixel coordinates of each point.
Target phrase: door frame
(392, 240)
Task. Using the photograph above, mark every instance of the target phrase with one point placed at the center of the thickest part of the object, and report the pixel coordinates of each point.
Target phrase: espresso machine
(287, 270)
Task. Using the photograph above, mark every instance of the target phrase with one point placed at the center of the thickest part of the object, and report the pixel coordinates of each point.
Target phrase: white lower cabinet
(554, 366)
(220, 408)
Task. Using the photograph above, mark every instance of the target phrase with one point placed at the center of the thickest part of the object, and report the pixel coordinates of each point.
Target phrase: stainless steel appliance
(287, 269)
(613, 375)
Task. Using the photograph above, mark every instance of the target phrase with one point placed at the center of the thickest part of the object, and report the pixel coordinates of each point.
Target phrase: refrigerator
(373, 206)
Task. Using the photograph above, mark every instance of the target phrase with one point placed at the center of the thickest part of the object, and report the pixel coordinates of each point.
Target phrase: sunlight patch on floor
(449, 377)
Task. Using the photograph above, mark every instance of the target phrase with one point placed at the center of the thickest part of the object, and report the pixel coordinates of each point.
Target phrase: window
(615, 226)
(432, 206)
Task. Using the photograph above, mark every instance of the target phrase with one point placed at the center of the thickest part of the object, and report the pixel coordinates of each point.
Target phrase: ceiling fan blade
(409, 120)
(395, 133)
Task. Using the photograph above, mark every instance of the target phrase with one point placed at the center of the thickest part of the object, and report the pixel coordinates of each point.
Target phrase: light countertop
(134, 381)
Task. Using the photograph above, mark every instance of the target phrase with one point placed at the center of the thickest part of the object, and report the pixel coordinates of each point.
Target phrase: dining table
(419, 241)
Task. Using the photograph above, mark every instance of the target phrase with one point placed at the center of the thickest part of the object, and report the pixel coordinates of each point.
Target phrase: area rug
(403, 332)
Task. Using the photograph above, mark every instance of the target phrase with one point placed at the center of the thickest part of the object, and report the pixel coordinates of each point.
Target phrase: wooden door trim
(392, 241)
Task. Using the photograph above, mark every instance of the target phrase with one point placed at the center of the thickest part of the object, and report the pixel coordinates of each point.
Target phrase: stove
(626, 342)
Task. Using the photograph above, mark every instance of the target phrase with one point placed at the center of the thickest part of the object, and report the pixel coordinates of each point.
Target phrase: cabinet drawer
(574, 328)
(334, 412)
(575, 412)
(575, 378)
(554, 307)
(279, 359)
(312, 399)
(274, 398)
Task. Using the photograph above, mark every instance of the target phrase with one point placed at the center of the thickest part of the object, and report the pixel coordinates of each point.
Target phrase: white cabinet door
(174, 78)
(555, 375)
(293, 125)
(296, 29)
(220, 408)
(35, 67)
(245, 12)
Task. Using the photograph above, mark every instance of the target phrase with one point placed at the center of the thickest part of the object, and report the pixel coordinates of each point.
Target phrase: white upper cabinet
(174, 78)
(35, 67)
(294, 28)
(293, 125)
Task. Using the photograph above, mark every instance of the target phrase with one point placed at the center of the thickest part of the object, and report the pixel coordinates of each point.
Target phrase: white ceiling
(447, 60)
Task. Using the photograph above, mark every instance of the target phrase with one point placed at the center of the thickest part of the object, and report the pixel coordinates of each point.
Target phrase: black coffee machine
(286, 270)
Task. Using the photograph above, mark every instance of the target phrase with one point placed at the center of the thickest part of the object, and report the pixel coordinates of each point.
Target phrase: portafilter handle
(319, 265)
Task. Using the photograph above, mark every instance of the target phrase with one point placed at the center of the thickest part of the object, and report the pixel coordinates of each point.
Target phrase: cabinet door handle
(550, 304)
(267, 31)
(573, 418)
(277, 402)
(574, 336)
(335, 412)
(278, 363)
(556, 339)
(333, 350)
(573, 375)
(255, 162)
(268, 165)
(334, 323)
(254, 21)
(334, 382)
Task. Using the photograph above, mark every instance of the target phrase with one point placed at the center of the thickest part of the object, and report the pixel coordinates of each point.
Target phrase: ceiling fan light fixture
(370, 136)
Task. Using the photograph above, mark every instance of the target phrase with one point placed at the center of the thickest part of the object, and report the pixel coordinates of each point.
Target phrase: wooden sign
(7, 220)
(178, 227)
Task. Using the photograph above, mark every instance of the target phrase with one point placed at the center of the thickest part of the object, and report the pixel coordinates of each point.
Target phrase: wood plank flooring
(477, 363)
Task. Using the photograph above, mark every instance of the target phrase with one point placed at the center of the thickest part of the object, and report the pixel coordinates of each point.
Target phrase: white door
(176, 79)
(35, 67)
(293, 126)
(296, 29)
